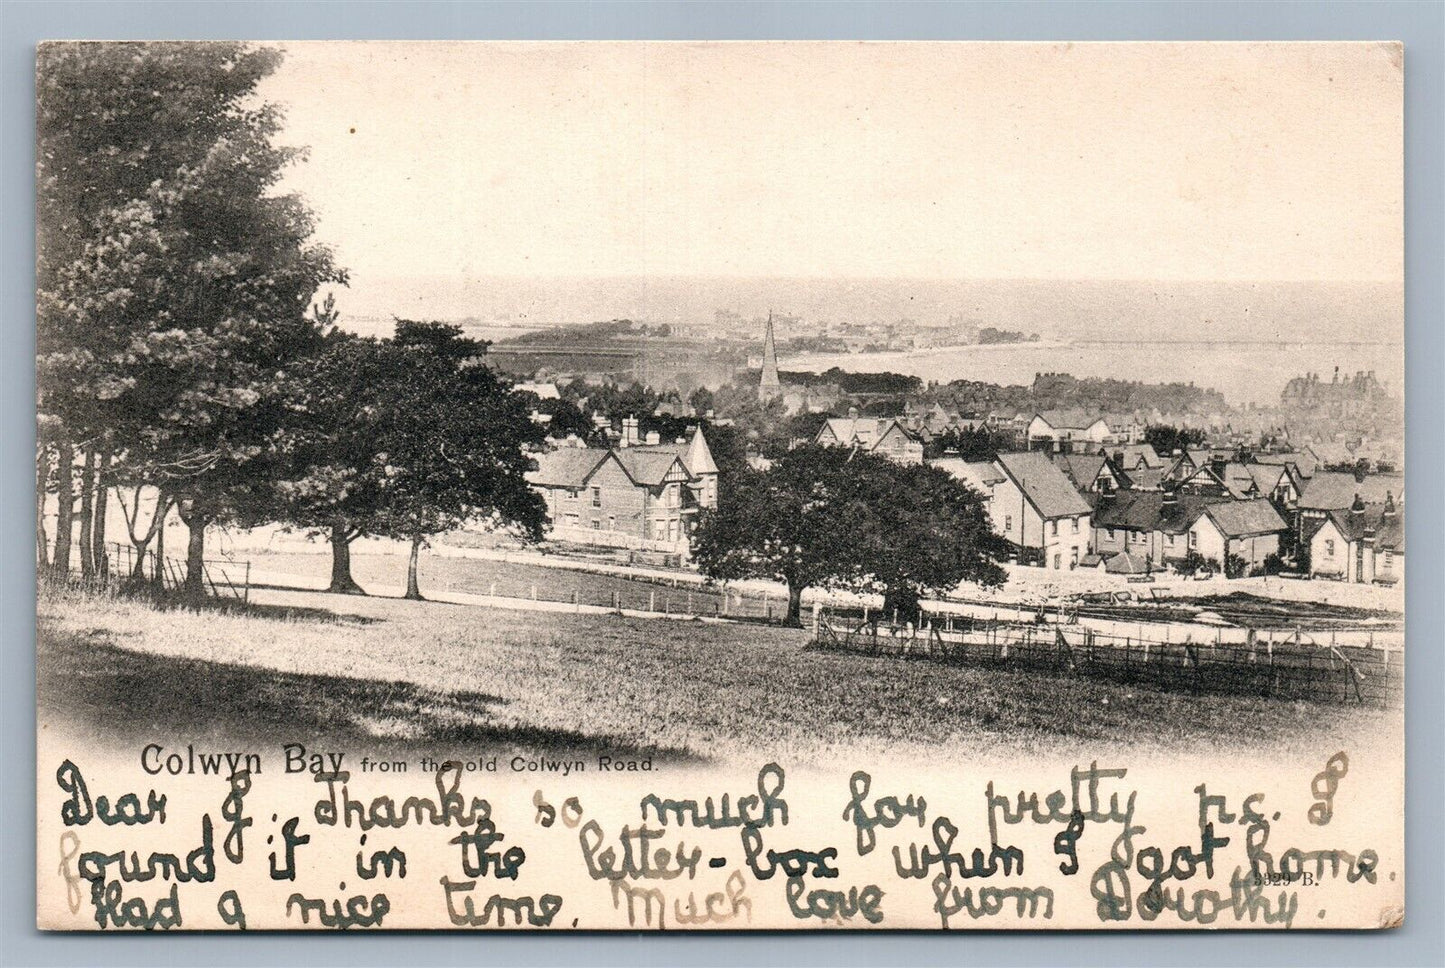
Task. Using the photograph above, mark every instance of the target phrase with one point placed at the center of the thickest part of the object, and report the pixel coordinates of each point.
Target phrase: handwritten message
(329, 840)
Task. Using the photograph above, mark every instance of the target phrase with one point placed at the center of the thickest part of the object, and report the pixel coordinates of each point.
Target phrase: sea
(1245, 338)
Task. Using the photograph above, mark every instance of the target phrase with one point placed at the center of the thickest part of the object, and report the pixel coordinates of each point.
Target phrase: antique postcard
(719, 486)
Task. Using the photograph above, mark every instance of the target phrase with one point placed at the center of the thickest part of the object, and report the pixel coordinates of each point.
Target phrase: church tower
(769, 386)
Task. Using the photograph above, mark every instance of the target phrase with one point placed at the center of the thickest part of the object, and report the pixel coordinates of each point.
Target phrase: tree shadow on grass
(85, 679)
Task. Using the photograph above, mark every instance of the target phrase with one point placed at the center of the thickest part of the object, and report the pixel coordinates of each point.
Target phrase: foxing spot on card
(719, 486)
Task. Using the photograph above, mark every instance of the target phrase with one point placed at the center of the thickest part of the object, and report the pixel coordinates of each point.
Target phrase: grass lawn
(386, 574)
(425, 675)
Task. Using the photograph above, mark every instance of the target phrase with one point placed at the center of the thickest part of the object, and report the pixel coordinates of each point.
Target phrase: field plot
(460, 679)
(386, 575)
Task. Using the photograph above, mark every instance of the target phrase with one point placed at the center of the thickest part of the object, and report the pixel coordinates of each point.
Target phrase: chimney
(1216, 464)
(653, 438)
(629, 432)
(1357, 509)
(1389, 511)
(1170, 501)
(852, 413)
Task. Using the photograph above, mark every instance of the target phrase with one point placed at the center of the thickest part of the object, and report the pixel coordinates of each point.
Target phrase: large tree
(828, 517)
(929, 532)
(451, 443)
(174, 281)
(334, 474)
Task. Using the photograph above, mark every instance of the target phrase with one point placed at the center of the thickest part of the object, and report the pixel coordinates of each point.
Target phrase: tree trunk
(102, 495)
(902, 600)
(794, 618)
(195, 586)
(158, 573)
(413, 591)
(87, 510)
(64, 508)
(42, 488)
(341, 581)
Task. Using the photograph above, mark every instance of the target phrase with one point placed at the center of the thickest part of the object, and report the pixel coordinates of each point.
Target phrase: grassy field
(386, 574)
(463, 678)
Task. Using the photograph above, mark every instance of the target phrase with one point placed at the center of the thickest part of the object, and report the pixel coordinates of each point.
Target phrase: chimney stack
(629, 432)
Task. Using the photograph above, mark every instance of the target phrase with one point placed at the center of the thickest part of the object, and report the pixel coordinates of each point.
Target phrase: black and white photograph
(719, 485)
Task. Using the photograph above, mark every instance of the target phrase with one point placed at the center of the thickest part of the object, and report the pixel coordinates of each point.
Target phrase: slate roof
(649, 467)
(1147, 478)
(695, 453)
(567, 467)
(1240, 519)
(1132, 452)
(1070, 419)
(1147, 511)
(1303, 461)
(1389, 528)
(1124, 563)
(1234, 476)
(866, 430)
(1266, 476)
(1083, 469)
(1328, 490)
(1045, 486)
(981, 475)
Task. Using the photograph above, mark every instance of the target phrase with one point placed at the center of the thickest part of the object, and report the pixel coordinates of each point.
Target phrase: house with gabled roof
(1165, 526)
(1133, 457)
(1037, 509)
(1364, 543)
(1328, 491)
(629, 497)
(1091, 473)
(884, 436)
(1221, 478)
(1067, 431)
(697, 457)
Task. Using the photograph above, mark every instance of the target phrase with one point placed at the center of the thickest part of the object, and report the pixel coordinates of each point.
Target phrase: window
(611, 522)
(597, 497)
(1111, 534)
(1171, 540)
(1008, 522)
(1193, 539)
(1056, 561)
(1389, 560)
(1329, 548)
(1054, 528)
(1074, 558)
(1076, 525)
(596, 524)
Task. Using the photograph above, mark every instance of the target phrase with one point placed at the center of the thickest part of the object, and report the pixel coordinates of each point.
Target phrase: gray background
(1420, 25)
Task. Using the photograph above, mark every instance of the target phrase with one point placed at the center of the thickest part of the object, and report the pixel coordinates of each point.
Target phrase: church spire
(769, 386)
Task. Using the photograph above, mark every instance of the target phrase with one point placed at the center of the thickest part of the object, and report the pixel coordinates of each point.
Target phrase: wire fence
(221, 579)
(1297, 665)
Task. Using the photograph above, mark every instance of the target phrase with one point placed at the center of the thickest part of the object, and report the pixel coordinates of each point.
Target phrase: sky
(904, 161)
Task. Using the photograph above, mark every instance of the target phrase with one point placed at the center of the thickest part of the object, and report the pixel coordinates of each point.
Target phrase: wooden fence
(1293, 666)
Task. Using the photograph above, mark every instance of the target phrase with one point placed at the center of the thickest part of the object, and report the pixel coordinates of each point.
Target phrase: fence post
(652, 601)
(248, 583)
